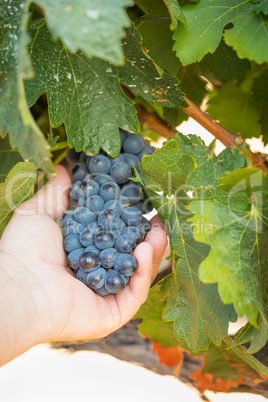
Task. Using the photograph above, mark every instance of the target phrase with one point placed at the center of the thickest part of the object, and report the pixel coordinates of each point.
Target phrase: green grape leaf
(17, 188)
(236, 110)
(157, 36)
(224, 368)
(225, 64)
(175, 12)
(15, 117)
(86, 95)
(257, 337)
(205, 23)
(93, 26)
(260, 95)
(152, 324)
(8, 158)
(195, 308)
(262, 6)
(233, 220)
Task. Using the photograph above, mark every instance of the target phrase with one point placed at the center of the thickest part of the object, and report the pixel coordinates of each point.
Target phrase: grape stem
(151, 121)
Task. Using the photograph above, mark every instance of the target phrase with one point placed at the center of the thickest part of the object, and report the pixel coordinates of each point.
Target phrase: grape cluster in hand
(105, 222)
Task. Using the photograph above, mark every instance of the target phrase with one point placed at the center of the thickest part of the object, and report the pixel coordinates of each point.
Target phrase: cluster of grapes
(105, 222)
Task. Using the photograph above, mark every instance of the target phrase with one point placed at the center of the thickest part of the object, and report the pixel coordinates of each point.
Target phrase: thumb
(52, 199)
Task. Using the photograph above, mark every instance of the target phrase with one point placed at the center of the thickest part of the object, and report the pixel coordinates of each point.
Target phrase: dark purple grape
(104, 178)
(131, 216)
(124, 244)
(123, 135)
(96, 278)
(143, 153)
(133, 144)
(108, 219)
(147, 206)
(89, 261)
(132, 191)
(95, 203)
(72, 243)
(74, 190)
(84, 215)
(120, 172)
(88, 187)
(86, 237)
(114, 281)
(115, 205)
(74, 204)
(80, 170)
(104, 240)
(108, 257)
(126, 264)
(134, 232)
(94, 227)
(139, 206)
(67, 217)
(99, 164)
(72, 156)
(115, 232)
(73, 257)
(102, 291)
(110, 191)
(144, 226)
(73, 228)
(132, 160)
(119, 158)
(92, 249)
(82, 276)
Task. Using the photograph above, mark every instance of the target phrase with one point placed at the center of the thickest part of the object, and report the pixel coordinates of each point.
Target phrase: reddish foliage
(170, 356)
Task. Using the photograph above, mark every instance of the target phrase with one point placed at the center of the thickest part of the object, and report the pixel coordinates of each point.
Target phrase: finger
(157, 237)
(136, 292)
(52, 199)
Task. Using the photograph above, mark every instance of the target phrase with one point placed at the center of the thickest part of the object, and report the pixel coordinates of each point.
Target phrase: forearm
(19, 329)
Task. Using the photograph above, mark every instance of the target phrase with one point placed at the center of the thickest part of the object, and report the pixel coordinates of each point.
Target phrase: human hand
(40, 299)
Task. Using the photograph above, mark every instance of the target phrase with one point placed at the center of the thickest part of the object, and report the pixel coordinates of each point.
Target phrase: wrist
(19, 314)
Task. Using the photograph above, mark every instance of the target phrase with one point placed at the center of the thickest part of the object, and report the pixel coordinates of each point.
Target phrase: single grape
(86, 237)
(72, 243)
(110, 191)
(108, 219)
(92, 249)
(73, 228)
(102, 291)
(95, 203)
(101, 179)
(104, 240)
(82, 276)
(132, 191)
(143, 153)
(80, 170)
(114, 281)
(96, 278)
(133, 144)
(67, 217)
(73, 257)
(108, 257)
(74, 204)
(115, 205)
(120, 172)
(119, 158)
(132, 160)
(134, 232)
(124, 244)
(123, 135)
(147, 206)
(126, 264)
(131, 216)
(144, 226)
(84, 215)
(99, 164)
(88, 187)
(94, 227)
(89, 261)
(81, 202)
(74, 190)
